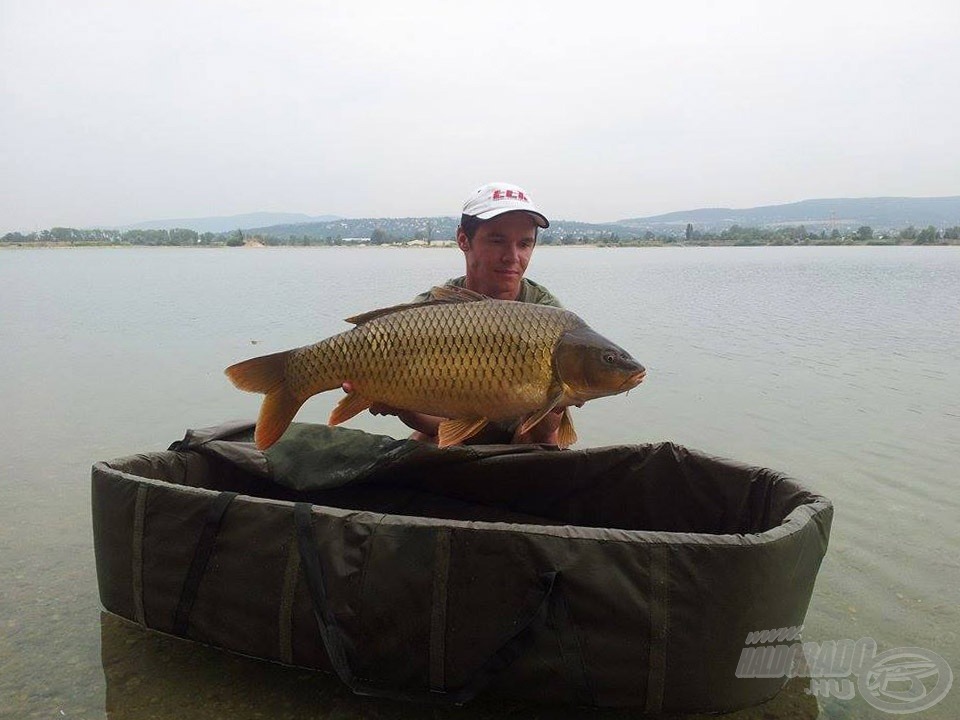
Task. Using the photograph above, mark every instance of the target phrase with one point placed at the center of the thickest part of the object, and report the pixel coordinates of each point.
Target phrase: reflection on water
(149, 675)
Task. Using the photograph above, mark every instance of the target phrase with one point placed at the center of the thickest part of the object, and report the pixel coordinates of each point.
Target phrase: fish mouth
(633, 380)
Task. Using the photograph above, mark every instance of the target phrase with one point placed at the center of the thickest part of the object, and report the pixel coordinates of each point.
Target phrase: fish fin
(454, 432)
(437, 296)
(276, 414)
(350, 404)
(259, 374)
(455, 294)
(373, 314)
(267, 374)
(566, 435)
(537, 415)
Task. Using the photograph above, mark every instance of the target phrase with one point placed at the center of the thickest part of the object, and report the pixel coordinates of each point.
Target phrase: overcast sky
(117, 112)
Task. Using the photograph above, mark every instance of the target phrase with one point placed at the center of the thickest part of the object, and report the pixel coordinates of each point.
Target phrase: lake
(835, 365)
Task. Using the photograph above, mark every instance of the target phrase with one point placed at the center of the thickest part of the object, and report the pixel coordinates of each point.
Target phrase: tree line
(738, 235)
(68, 236)
(734, 235)
(800, 235)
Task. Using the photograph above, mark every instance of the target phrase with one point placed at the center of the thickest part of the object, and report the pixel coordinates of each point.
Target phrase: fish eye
(608, 357)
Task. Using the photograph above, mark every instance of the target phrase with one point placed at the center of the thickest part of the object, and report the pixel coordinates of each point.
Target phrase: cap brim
(538, 218)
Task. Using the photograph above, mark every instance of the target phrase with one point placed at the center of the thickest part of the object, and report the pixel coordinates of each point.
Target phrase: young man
(497, 234)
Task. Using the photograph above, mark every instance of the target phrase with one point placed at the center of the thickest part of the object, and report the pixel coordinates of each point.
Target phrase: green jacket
(530, 292)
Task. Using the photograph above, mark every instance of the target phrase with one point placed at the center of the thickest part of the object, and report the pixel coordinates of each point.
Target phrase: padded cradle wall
(627, 575)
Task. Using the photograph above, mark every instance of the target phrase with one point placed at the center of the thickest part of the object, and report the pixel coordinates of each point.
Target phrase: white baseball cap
(497, 198)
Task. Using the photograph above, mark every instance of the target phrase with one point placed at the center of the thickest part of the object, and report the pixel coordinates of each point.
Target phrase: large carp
(461, 356)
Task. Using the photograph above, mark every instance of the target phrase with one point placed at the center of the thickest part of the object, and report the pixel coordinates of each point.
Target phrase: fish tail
(267, 375)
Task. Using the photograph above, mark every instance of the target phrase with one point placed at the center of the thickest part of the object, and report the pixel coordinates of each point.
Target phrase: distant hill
(432, 228)
(436, 228)
(229, 222)
(882, 213)
(878, 213)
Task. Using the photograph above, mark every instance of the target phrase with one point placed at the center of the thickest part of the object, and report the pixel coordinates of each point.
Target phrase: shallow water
(835, 365)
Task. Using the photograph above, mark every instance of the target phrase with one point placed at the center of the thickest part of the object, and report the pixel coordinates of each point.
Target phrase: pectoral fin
(566, 435)
(454, 432)
(539, 414)
(350, 405)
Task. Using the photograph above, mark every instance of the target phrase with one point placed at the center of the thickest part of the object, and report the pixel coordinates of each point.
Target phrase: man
(497, 234)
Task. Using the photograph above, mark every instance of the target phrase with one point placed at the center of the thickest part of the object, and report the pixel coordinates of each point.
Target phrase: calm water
(836, 365)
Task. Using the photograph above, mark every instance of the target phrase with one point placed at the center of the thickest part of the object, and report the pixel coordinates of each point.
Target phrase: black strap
(511, 646)
(515, 642)
(310, 562)
(201, 556)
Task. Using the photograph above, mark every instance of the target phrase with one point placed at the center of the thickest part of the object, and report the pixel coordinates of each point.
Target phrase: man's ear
(463, 242)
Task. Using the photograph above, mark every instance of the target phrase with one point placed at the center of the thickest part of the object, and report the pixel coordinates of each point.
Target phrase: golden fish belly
(482, 359)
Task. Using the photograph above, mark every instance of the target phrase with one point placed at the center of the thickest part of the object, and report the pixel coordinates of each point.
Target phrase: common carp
(460, 355)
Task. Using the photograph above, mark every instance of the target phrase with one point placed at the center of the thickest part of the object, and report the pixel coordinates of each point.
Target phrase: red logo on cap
(511, 194)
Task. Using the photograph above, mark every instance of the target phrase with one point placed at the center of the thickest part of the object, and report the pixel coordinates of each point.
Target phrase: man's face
(497, 256)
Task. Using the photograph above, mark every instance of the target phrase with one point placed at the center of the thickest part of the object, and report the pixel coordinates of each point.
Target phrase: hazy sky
(116, 112)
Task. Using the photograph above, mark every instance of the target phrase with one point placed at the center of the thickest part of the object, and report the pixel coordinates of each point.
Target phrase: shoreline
(450, 246)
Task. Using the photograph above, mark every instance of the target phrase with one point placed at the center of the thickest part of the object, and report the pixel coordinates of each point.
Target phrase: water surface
(835, 365)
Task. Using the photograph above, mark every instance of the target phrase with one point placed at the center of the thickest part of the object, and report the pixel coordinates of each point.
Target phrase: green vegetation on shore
(733, 236)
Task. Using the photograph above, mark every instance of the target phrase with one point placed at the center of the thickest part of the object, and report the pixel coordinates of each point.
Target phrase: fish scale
(479, 359)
